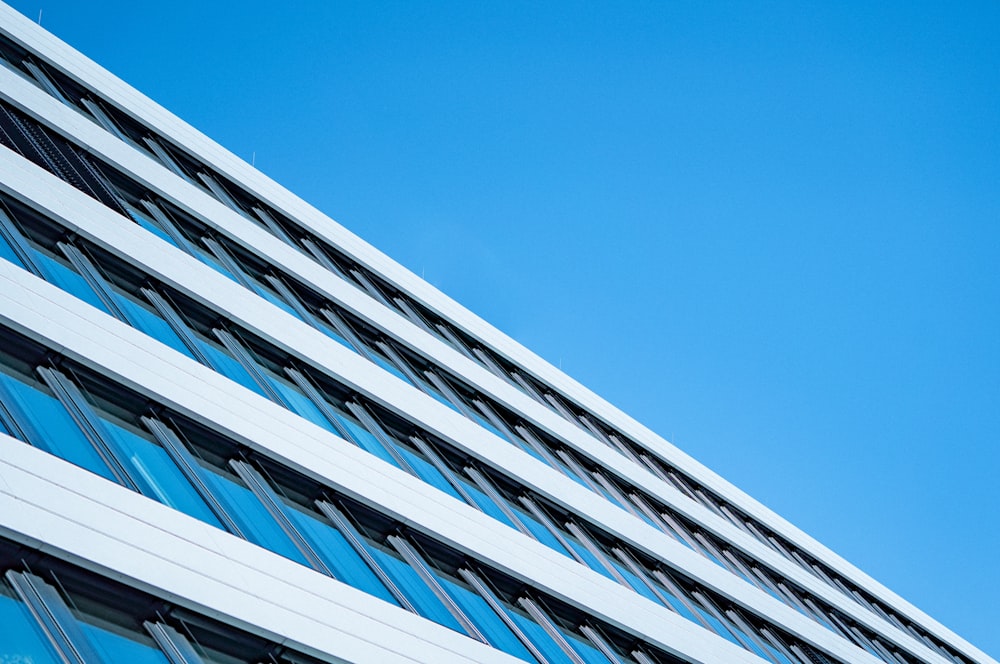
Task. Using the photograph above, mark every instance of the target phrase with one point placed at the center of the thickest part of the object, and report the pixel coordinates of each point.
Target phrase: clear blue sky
(768, 230)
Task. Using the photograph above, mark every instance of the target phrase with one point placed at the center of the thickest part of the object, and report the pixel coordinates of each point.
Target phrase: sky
(769, 231)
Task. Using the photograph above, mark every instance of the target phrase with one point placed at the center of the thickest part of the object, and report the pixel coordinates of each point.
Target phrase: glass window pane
(366, 440)
(486, 620)
(8, 254)
(542, 534)
(150, 464)
(412, 586)
(329, 331)
(273, 298)
(145, 320)
(115, 646)
(146, 222)
(589, 653)
(54, 429)
(68, 280)
(388, 366)
(428, 473)
(549, 648)
(251, 516)
(635, 581)
(591, 560)
(228, 366)
(299, 402)
(486, 504)
(338, 554)
(21, 641)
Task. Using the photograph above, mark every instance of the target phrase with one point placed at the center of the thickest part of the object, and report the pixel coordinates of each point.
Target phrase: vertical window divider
(176, 323)
(164, 157)
(313, 393)
(403, 305)
(543, 518)
(356, 542)
(168, 226)
(751, 633)
(188, 466)
(220, 193)
(570, 460)
(174, 645)
(359, 411)
(103, 119)
(778, 644)
(682, 596)
(415, 560)
(610, 487)
(54, 618)
(227, 260)
(487, 361)
(438, 463)
(531, 439)
(242, 355)
(345, 330)
(641, 657)
(397, 360)
(595, 551)
(46, 82)
(444, 388)
(543, 620)
(493, 418)
(447, 333)
(640, 502)
(76, 405)
(9, 422)
(320, 256)
(369, 287)
(86, 268)
(598, 641)
(272, 225)
(681, 530)
(624, 448)
(528, 388)
(633, 566)
(486, 486)
(18, 243)
(484, 591)
(293, 300)
(272, 503)
(707, 603)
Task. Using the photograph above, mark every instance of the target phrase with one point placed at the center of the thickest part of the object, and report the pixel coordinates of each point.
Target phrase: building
(231, 431)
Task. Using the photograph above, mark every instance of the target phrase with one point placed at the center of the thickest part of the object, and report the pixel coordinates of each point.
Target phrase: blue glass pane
(210, 261)
(412, 586)
(20, 639)
(300, 403)
(366, 440)
(338, 555)
(251, 516)
(636, 582)
(146, 321)
(150, 225)
(150, 464)
(484, 618)
(437, 395)
(531, 450)
(549, 648)
(589, 558)
(485, 423)
(778, 654)
(487, 505)
(49, 425)
(228, 367)
(388, 366)
(587, 652)
(68, 280)
(428, 473)
(717, 626)
(543, 534)
(329, 331)
(7, 253)
(677, 605)
(115, 647)
(274, 299)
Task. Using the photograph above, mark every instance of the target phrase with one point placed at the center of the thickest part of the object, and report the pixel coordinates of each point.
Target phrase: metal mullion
(374, 291)
(449, 393)
(751, 632)
(104, 119)
(709, 605)
(435, 460)
(293, 300)
(708, 501)
(494, 418)
(778, 644)
(176, 323)
(19, 244)
(818, 613)
(87, 421)
(273, 225)
(494, 602)
(53, 618)
(532, 440)
(356, 542)
(448, 334)
(486, 486)
(556, 403)
(368, 422)
(242, 355)
(599, 642)
(549, 627)
(272, 503)
(315, 396)
(320, 256)
(527, 387)
(544, 519)
(45, 81)
(420, 566)
(574, 465)
(654, 467)
(682, 596)
(227, 260)
(487, 361)
(680, 483)
(595, 430)
(86, 269)
(172, 643)
(220, 193)
(639, 501)
(591, 546)
(633, 565)
(188, 466)
(169, 227)
(741, 568)
(641, 657)
(411, 313)
(609, 486)
(165, 157)
(681, 530)
(716, 552)
(345, 330)
(397, 361)
(733, 519)
(10, 422)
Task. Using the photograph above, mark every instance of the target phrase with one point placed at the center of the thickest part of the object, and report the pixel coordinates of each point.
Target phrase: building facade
(232, 431)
